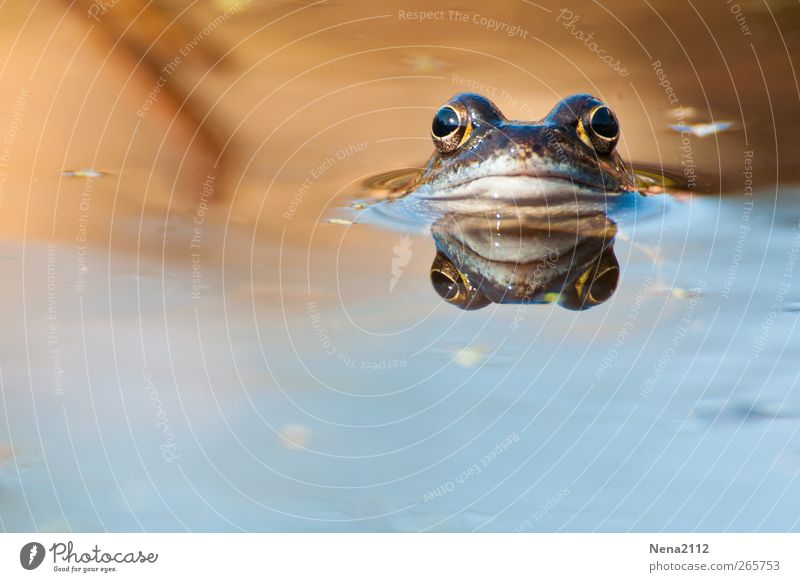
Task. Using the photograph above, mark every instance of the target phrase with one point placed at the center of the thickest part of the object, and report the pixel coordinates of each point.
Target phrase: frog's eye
(599, 129)
(451, 127)
(453, 286)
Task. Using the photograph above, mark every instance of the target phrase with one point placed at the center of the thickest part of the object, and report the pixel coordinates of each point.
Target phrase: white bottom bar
(401, 557)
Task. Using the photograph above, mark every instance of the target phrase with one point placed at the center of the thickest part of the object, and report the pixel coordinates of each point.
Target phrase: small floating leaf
(341, 221)
(703, 129)
(84, 173)
(680, 293)
(361, 204)
(470, 356)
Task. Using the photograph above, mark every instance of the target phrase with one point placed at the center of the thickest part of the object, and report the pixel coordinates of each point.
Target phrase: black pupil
(445, 122)
(604, 124)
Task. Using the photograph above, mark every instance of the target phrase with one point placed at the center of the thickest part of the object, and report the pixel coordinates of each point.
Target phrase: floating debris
(425, 64)
(703, 129)
(649, 250)
(681, 113)
(792, 307)
(294, 436)
(679, 292)
(84, 173)
(470, 356)
(233, 5)
(341, 221)
(363, 204)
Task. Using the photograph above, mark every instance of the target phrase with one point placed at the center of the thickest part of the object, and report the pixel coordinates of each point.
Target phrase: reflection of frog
(568, 258)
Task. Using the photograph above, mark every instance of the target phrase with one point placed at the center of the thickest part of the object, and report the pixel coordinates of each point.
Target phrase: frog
(479, 153)
(519, 210)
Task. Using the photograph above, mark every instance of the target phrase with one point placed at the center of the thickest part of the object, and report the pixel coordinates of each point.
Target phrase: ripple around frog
(658, 180)
(385, 201)
(650, 179)
(393, 181)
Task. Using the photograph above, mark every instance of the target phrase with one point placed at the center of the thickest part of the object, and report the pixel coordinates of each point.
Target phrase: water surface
(196, 337)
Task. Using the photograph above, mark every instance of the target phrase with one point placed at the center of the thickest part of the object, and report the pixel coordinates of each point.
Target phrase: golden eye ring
(599, 129)
(451, 127)
(454, 286)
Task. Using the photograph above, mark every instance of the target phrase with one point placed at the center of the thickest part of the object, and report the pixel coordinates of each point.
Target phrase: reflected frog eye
(451, 127)
(453, 286)
(447, 288)
(599, 128)
(595, 286)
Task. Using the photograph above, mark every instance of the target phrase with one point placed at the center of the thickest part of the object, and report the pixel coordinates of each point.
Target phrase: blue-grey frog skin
(479, 154)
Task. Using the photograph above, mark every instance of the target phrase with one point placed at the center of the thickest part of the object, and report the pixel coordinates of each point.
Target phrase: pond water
(202, 333)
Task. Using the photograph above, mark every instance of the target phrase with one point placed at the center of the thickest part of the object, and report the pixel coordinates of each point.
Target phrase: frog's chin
(516, 187)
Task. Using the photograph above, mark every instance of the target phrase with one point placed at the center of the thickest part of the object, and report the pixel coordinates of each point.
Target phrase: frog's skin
(500, 159)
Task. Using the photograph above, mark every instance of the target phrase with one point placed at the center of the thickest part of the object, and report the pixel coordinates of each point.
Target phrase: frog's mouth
(516, 186)
(501, 177)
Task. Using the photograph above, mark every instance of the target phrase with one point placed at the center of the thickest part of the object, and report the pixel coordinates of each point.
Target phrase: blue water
(673, 406)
